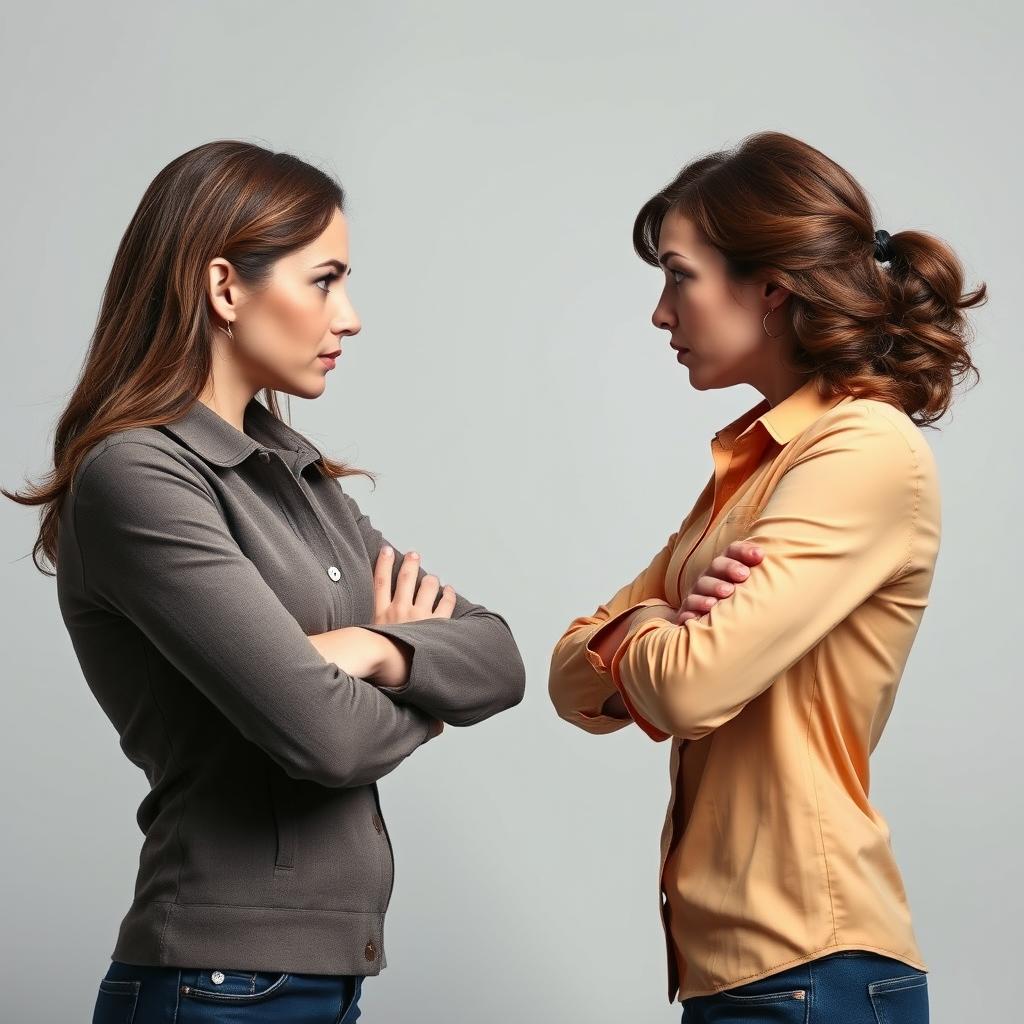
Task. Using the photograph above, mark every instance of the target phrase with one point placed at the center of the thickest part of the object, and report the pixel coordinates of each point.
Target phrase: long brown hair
(150, 353)
(780, 210)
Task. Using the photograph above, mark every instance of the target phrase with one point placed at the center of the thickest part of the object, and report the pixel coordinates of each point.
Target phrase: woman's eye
(326, 281)
(680, 273)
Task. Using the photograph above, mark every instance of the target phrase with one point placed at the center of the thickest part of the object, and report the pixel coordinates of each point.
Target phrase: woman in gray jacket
(264, 654)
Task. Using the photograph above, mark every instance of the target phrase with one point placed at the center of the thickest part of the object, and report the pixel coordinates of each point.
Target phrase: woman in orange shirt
(767, 637)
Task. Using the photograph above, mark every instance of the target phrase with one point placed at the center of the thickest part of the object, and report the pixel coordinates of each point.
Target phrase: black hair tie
(883, 251)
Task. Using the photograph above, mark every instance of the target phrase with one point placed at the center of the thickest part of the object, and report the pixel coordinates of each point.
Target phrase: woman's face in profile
(281, 330)
(714, 321)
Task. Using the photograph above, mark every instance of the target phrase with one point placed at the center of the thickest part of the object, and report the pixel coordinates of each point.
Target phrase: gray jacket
(193, 561)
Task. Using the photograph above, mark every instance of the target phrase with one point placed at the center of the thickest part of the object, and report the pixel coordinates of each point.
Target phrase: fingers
(713, 585)
(409, 601)
(426, 595)
(382, 580)
(730, 567)
(744, 551)
(720, 579)
(446, 605)
(405, 582)
(697, 604)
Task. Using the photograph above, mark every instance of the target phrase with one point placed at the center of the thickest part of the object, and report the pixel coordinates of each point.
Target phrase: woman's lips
(327, 361)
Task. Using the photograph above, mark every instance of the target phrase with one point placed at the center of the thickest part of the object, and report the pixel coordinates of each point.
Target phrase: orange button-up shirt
(771, 852)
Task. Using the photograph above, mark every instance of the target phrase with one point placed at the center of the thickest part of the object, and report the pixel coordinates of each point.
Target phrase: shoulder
(140, 468)
(872, 432)
(138, 449)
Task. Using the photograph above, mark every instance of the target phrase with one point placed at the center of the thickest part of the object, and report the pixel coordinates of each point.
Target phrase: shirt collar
(783, 421)
(211, 437)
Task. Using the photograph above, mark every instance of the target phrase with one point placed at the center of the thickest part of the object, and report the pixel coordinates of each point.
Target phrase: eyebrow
(340, 267)
(665, 255)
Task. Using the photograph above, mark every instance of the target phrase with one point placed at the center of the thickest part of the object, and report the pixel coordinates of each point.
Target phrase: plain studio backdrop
(534, 437)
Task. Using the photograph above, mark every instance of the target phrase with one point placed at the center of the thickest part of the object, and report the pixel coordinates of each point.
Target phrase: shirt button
(217, 977)
(376, 821)
(334, 572)
(370, 952)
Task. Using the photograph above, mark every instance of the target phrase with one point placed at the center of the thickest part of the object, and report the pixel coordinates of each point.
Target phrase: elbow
(334, 773)
(686, 718)
(510, 674)
(561, 702)
(342, 774)
(514, 688)
(686, 705)
(510, 679)
(337, 765)
(588, 718)
(508, 691)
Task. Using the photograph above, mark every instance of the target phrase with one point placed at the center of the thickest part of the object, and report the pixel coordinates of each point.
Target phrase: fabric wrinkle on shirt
(195, 560)
(771, 851)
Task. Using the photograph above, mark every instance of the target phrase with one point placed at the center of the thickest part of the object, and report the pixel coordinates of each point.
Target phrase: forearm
(366, 654)
(608, 642)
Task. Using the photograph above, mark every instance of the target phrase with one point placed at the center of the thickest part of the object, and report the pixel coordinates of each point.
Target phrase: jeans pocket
(116, 1001)
(776, 1000)
(350, 1011)
(900, 1000)
(224, 986)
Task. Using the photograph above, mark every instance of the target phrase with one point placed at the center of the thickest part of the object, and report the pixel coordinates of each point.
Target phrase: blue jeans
(849, 987)
(130, 994)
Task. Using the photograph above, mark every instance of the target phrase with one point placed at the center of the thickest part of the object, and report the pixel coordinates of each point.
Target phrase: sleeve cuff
(420, 667)
(614, 671)
(589, 650)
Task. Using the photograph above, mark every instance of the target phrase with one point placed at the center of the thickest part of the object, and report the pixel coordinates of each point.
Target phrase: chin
(708, 381)
(700, 381)
(307, 388)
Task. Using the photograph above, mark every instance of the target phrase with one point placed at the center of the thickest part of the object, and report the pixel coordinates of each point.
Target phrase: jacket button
(370, 952)
(376, 821)
(334, 572)
(264, 456)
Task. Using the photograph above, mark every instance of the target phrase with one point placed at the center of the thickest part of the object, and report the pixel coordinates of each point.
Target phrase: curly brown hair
(780, 210)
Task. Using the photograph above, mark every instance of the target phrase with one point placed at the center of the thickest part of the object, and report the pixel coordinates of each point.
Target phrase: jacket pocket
(282, 803)
(385, 851)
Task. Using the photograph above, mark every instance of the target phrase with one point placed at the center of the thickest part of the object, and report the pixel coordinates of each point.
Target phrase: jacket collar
(784, 421)
(212, 438)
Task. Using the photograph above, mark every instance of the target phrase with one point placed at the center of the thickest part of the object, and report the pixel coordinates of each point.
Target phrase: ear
(223, 289)
(773, 295)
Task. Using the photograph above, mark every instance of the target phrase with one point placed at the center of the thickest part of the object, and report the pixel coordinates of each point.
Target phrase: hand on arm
(383, 660)
(578, 682)
(838, 527)
(156, 549)
(460, 661)
(717, 583)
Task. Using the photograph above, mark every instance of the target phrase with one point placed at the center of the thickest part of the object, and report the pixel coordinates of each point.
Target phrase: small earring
(227, 330)
(765, 325)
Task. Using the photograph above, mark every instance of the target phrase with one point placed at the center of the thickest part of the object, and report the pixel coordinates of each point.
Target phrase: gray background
(495, 156)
